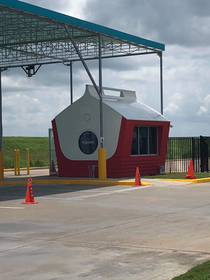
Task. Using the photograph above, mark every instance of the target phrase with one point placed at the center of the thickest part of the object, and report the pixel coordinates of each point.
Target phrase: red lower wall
(121, 164)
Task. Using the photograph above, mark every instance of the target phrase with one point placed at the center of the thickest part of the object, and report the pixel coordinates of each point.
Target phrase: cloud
(205, 108)
(173, 106)
(183, 26)
(171, 22)
(69, 7)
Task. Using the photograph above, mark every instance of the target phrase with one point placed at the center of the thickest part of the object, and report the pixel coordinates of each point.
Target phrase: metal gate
(204, 153)
(181, 149)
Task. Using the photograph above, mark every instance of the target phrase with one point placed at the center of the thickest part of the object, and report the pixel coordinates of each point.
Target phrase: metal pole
(100, 89)
(102, 173)
(71, 83)
(50, 149)
(1, 133)
(161, 82)
(101, 151)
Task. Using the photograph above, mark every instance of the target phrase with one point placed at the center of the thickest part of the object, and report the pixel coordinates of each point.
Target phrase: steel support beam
(82, 60)
(71, 82)
(161, 82)
(101, 97)
(102, 174)
(101, 150)
(1, 134)
(59, 60)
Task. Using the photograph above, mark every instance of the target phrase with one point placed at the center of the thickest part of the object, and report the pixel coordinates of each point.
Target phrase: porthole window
(88, 142)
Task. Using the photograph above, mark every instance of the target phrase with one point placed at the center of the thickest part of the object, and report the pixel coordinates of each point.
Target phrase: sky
(29, 104)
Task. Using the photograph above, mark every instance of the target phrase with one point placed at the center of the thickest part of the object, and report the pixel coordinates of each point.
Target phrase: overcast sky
(29, 104)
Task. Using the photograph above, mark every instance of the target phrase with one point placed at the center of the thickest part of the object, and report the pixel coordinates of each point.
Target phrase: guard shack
(135, 135)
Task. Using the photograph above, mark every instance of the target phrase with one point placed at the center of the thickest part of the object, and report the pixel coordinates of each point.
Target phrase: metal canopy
(30, 35)
(34, 35)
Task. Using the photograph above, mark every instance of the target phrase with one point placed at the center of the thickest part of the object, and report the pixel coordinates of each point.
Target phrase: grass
(38, 151)
(180, 176)
(199, 272)
(39, 155)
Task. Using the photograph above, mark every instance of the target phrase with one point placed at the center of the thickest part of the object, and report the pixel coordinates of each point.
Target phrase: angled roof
(127, 105)
(33, 35)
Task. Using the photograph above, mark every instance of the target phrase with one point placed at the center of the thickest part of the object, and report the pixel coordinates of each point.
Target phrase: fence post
(193, 151)
(201, 153)
(28, 163)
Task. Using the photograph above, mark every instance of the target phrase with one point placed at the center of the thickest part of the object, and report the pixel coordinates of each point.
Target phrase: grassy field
(38, 151)
(199, 272)
(39, 155)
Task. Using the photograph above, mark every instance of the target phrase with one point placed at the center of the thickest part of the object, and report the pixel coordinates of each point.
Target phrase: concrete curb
(25, 168)
(77, 182)
(203, 180)
(195, 181)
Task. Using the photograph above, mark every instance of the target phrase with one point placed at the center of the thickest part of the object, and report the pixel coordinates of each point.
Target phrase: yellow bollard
(28, 163)
(1, 165)
(18, 161)
(102, 163)
(15, 162)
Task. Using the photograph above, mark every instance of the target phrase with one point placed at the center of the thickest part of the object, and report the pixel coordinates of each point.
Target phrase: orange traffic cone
(29, 193)
(137, 178)
(190, 174)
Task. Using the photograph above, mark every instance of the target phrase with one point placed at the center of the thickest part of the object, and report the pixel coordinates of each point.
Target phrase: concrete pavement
(104, 232)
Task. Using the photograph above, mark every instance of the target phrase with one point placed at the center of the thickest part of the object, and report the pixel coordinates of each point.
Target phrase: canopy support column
(1, 134)
(161, 81)
(100, 90)
(71, 82)
(101, 161)
(101, 152)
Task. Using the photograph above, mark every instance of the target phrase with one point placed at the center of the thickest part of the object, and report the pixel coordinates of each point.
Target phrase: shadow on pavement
(13, 192)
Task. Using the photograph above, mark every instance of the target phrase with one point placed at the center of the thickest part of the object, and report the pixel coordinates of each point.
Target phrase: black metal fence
(182, 149)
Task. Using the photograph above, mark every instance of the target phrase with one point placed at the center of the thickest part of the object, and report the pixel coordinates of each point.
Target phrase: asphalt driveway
(104, 232)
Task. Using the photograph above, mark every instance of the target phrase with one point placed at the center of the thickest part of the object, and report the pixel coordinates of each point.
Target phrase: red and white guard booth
(135, 135)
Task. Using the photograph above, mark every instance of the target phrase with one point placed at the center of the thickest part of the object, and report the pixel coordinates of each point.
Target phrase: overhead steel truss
(28, 38)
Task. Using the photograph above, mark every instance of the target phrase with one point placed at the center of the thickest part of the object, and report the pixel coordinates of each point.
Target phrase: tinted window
(134, 148)
(152, 140)
(145, 140)
(88, 142)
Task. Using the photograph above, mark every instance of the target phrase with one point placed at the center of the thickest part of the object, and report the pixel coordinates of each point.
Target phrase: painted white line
(60, 198)
(93, 195)
(131, 189)
(82, 197)
(7, 207)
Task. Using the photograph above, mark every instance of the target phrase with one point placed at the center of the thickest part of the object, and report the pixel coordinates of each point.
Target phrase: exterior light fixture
(30, 70)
